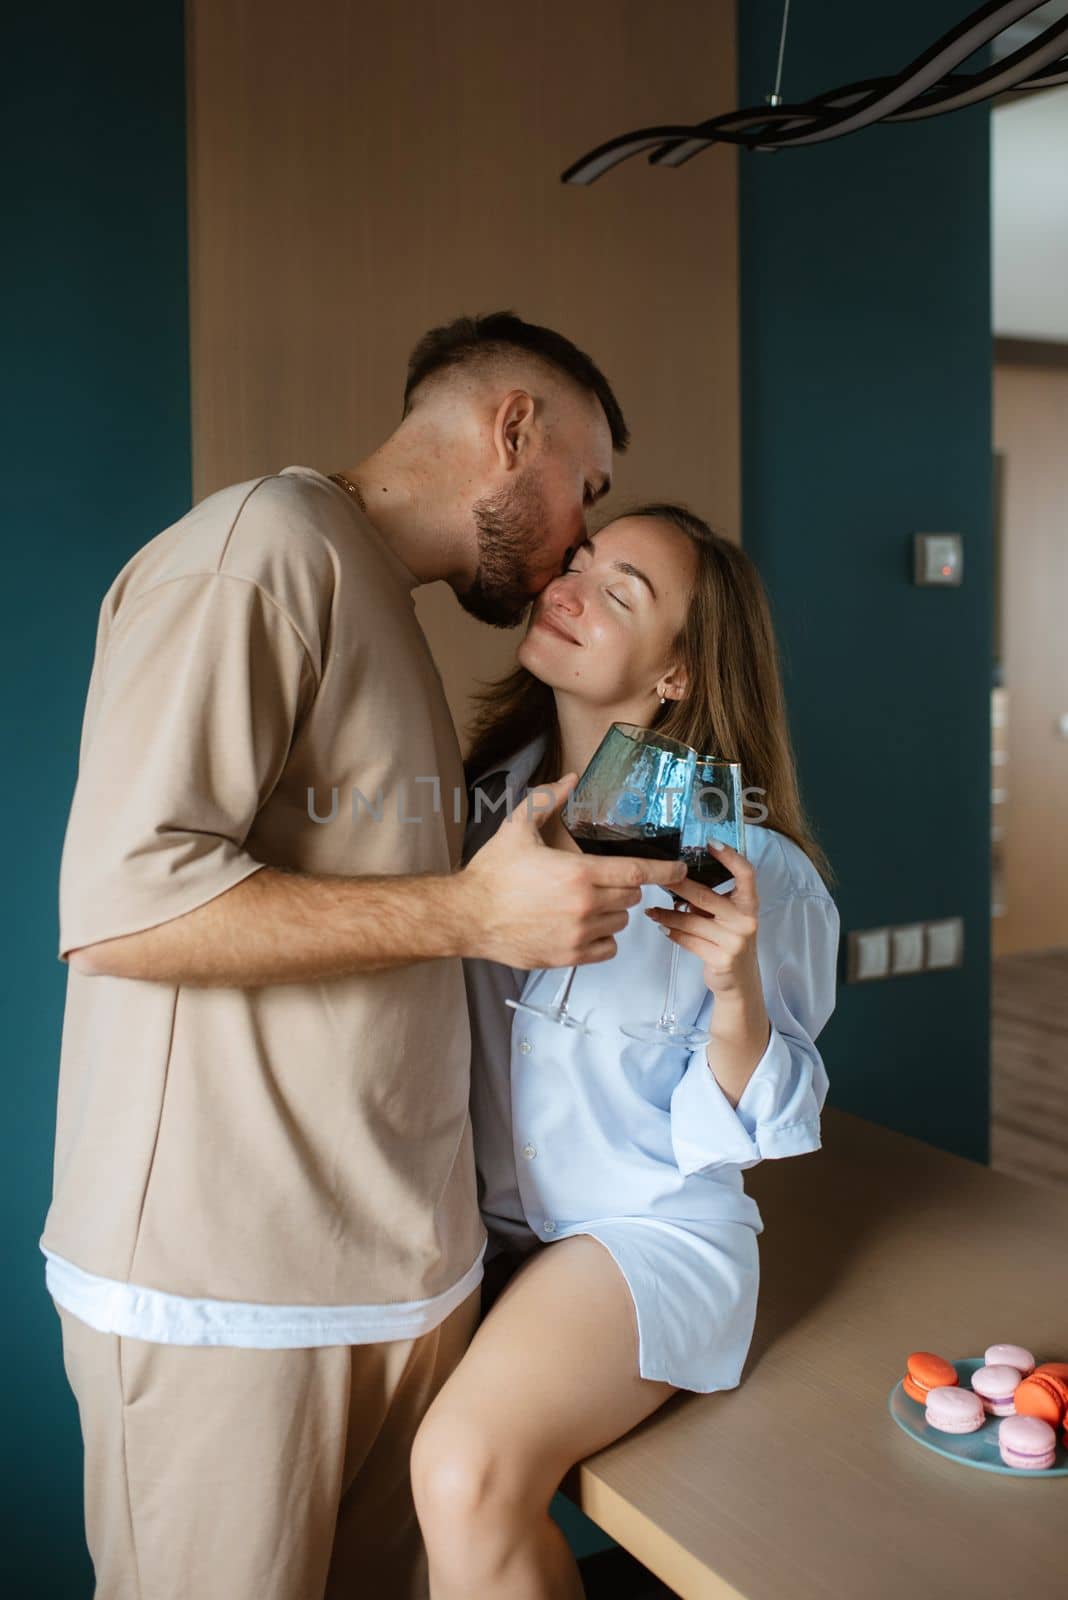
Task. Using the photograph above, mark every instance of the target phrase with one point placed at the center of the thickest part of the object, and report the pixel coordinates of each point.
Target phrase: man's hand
(531, 906)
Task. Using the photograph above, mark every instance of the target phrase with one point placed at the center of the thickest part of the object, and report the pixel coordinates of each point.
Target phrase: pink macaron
(996, 1387)
(954, 1410)
(1027, 1443)
(1010, 1355)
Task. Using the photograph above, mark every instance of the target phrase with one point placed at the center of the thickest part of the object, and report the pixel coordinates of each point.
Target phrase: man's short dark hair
(468, 338)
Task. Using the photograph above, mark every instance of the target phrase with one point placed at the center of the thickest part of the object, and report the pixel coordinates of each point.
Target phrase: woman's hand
(720, 928)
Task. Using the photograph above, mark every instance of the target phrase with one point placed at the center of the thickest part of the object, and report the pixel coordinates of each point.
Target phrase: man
(264, 1240)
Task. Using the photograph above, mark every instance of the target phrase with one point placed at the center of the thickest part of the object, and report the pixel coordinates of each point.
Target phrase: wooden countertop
(798, 1484)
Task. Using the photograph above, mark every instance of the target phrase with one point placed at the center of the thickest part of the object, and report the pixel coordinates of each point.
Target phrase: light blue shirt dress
(637, 1144)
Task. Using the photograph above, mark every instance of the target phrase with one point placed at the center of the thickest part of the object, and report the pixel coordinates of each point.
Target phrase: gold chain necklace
(350, 488)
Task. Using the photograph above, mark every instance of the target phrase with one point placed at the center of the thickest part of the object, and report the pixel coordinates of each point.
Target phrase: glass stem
(563, 994)
(668, 1019)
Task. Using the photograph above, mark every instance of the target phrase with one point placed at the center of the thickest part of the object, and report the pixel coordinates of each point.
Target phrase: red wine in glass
(630, 801)
(704, 866)
(603, 839)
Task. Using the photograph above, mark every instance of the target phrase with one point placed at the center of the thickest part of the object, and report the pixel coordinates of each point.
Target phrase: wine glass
(630, 801)
(714, 811)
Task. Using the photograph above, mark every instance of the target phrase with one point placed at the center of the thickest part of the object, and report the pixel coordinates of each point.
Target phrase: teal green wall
(866, 401)
(96, 459)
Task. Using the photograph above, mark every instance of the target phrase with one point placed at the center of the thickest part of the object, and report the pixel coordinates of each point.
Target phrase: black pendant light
(927, 87)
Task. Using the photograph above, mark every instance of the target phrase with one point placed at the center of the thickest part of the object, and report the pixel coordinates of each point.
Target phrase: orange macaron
(1042, 1395)
(1053, 1369)
(924, 1371)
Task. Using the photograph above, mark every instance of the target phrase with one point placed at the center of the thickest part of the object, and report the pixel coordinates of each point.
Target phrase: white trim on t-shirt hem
(150, 1314)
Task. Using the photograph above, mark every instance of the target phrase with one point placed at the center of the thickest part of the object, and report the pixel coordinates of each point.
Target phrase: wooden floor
(1029, 1050)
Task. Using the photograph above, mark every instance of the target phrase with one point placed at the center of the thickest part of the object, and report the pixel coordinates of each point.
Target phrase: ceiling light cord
(775, 97)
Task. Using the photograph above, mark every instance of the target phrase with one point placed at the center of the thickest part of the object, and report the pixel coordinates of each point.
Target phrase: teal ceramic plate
(978, 1449)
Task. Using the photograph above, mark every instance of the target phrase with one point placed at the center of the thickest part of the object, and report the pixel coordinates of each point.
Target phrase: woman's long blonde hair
(734, 705)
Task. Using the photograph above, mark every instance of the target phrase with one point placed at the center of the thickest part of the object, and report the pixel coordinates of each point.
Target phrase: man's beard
(510, 526)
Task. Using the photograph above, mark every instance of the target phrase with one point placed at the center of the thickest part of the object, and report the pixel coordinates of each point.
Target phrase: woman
(622, 1264)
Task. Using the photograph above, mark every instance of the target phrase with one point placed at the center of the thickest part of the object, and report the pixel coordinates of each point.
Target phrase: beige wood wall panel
(359, 173)
(1031, 427)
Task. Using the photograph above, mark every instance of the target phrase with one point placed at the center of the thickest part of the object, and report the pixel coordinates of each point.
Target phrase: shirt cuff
(708, 1132)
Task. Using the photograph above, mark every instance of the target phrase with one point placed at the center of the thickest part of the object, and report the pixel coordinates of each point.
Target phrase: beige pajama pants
(214, 1473)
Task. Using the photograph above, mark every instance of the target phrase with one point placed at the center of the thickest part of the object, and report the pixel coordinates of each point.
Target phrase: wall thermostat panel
(937, 559)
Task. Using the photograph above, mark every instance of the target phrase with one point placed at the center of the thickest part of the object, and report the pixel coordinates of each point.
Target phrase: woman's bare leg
(550, 1376)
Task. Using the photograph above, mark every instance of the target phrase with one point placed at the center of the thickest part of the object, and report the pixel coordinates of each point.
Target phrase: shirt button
(549, 1227)
(530, 1151)
(525, 1047)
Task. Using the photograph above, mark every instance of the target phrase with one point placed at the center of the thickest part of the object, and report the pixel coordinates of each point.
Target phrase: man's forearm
(286, 927)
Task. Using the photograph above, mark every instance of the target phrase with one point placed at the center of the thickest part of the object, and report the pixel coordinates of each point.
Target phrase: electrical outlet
(907, 948)
(945, 943)
(869, 955)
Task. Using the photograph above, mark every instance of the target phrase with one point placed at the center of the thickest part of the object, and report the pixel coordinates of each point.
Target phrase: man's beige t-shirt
(308, 1143)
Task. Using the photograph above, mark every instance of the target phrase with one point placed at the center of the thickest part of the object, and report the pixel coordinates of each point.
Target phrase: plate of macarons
(1003, 1412)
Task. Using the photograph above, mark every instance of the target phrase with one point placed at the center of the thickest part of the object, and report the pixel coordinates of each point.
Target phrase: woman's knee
(452, 1466)
(462, 1475)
